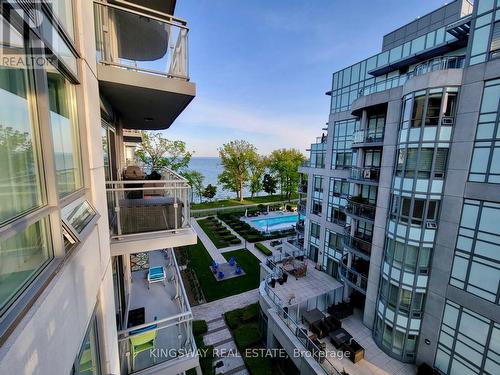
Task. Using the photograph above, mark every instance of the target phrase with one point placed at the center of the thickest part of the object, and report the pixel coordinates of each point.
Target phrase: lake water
(210, 168)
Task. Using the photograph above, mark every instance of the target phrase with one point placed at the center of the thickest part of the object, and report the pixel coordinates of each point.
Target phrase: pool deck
(270, 215)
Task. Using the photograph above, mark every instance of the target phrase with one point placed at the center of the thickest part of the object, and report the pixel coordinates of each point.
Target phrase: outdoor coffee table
(339, 336)
(312, 316)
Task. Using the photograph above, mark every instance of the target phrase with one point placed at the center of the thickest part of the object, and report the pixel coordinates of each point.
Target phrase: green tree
(257, 167)
(269, 184)
(159, 153)
(195, 179)
(284, 163)
(235, 158)
(210, 192)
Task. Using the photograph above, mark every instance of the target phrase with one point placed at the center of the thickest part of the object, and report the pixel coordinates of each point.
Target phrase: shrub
(233, 318)
(249, 313)
(235, 241)
(200, 327)
(247, 335)
(263, 249)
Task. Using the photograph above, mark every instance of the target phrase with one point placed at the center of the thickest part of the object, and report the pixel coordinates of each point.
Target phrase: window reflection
(65, 133)
(20, 185)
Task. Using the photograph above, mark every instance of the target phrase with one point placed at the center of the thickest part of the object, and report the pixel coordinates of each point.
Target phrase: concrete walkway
(225, 349)
(212, 250)
(215, 309)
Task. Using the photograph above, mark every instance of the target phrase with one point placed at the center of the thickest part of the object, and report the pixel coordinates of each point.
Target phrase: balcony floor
(315, 283)
(158, 304)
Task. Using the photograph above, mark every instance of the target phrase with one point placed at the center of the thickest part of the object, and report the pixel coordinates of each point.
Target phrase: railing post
(176, 207)
(117, 211)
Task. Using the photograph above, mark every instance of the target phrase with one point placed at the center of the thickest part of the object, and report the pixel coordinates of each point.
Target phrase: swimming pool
(275, 223)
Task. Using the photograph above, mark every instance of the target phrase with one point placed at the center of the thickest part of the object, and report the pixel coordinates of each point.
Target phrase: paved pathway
(212, 250)
(214, 309)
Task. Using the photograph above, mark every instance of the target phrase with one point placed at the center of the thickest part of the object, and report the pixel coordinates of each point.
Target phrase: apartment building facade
(82, 228)
(403, 195)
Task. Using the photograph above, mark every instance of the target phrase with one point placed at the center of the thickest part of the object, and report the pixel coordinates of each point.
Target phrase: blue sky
(262, 67)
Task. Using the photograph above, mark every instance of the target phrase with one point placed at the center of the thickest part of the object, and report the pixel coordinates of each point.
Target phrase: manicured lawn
(235, 202)
(219, 240)
(200, 260)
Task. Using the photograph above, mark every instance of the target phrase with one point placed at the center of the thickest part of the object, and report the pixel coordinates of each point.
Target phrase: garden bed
(218, 233)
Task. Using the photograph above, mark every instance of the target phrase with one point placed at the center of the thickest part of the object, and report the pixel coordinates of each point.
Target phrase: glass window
(495, 40)
(418, 111)
(433, 109)
(20, 180)
(23, 256)
(63, 9)
(88, 361)
(65, 133)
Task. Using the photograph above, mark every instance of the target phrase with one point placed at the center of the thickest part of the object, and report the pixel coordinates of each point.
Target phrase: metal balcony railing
(356, 244)
(368, 136)
(354, 208)
(137, 207)
(369, 174)
(437, 63)
(353, 278)
(141, 39)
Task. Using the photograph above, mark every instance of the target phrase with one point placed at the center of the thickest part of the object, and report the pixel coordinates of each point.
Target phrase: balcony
(431, 65)
(356, 245)
(142, 68)
(145, 215)
(302, 188)
(160, 312)
(357, 207)
(365, 175)
(353, 277)
(368, 138)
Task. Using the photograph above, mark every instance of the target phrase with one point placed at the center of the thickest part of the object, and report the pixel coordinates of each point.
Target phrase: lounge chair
(142, 340)
(156, 275)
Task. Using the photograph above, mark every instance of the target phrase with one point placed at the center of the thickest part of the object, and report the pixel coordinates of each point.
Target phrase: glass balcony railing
(353, 278)
(296, 329)
(139, 206)
(368, 136)
(141, 39)
(369, 174)
(356, 208)
(438, 63)
(160, 330)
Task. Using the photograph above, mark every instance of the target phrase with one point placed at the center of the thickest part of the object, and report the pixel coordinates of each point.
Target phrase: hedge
(200, 327)
(263, 249)
(247, 335)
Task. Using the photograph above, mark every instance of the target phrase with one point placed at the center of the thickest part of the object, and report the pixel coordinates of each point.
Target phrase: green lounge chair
(142, 342)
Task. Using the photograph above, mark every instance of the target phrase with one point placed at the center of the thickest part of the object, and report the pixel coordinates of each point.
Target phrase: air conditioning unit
(431, 225)
(367, 173)
(447, 121)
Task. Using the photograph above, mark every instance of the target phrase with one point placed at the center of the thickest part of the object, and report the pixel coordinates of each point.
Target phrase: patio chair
(156, 275)
(232, 261)
(220, 275)
(141, 342)
(238, 270)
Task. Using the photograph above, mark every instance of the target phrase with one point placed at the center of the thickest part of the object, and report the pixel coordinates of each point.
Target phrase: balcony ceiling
(144, 101)
(165, 6)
